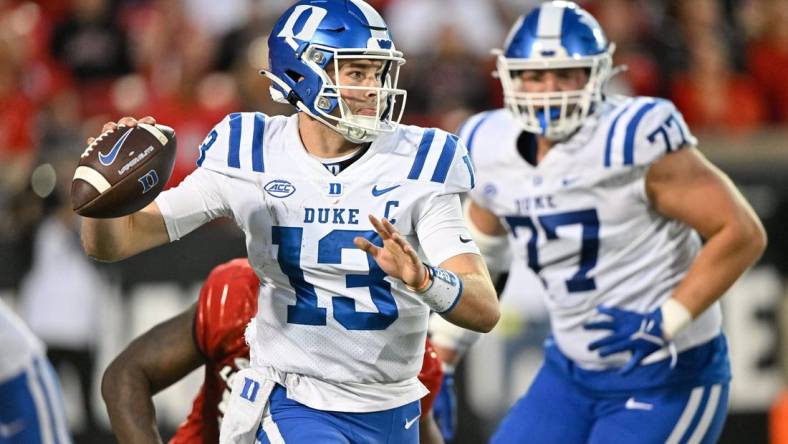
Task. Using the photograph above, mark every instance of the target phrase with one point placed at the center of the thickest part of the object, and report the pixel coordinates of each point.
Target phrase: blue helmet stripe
(421, 155)
(444, 161)
(567, 21)
(611, 132)
(632, 126)
(555, 25)
(233, 154)
(257, 143)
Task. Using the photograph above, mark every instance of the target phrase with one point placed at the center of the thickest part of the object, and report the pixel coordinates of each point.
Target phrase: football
(123, 170)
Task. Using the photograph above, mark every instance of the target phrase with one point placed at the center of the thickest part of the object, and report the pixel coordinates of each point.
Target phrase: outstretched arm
(142, 370)
(477, 308)
(450, 341)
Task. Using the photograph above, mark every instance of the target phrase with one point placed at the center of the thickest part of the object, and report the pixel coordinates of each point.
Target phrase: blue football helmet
(310, 40)
(556, 35)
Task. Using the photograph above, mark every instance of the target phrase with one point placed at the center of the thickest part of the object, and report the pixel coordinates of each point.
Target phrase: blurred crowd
(68, 66)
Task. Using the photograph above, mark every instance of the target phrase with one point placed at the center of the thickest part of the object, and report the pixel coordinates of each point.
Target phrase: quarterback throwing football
(334, 201)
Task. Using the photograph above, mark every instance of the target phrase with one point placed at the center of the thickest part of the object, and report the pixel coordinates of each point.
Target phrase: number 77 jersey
(581, 219)
(332, 327)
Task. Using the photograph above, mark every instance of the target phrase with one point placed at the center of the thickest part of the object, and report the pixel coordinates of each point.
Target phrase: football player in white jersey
(31, 405)
(634, 234)
(335, 201)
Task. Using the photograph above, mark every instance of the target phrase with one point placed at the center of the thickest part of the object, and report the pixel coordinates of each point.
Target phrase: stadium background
(68, 66)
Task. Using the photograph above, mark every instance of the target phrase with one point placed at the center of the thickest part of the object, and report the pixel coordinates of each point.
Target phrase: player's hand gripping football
(396, 257)
(125, 121)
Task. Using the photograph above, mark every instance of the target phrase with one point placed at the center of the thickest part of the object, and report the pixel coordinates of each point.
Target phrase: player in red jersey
(210, 332)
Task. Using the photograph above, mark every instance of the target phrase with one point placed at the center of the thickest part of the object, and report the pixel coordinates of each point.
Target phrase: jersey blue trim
(233, 153)
(611, 132)
(699, 413)
(472, 134)
(206, 146)
(456, 300)
(421, 155)
(468, 164)
(445, 160)
(257, 143)
(632, 126)
(40, 370)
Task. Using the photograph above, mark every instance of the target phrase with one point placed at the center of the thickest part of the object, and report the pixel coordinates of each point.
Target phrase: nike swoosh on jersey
(409, 422)
(631, 404)
(566, 181)
(9, 429)
(465, 240)
(107, 159)
(378, 192)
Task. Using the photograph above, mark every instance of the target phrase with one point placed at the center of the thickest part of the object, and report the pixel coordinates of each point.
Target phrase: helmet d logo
(303, 22)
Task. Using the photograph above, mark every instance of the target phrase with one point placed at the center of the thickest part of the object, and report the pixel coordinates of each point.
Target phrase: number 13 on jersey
(329, 251)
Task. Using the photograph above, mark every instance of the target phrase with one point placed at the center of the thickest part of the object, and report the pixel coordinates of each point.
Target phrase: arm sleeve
(194, 202)
(441, 230)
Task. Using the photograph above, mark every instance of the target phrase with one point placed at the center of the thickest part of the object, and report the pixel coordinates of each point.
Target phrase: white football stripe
(157, 133)
(686, 416)
(708, 415)
(39, 400)
(271, 428)
(93, 177)
(372, 16)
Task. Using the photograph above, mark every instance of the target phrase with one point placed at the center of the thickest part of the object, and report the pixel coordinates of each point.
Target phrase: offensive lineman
(608, 199)
(31, 405)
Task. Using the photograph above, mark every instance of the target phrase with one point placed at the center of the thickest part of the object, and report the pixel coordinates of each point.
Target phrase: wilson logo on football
(279, 188)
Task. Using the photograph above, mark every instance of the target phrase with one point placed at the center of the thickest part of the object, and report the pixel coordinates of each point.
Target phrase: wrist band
(444, 290)
(424, 285)
(675, 317)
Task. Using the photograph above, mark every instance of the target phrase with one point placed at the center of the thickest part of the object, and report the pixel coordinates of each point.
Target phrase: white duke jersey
(583, 222)
(18, 344)
(331, 325)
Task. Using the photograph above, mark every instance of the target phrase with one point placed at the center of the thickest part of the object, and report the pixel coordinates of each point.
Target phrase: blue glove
(445, 407)
(638, 333)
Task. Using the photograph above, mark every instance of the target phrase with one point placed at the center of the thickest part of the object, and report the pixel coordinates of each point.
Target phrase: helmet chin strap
(352, 134)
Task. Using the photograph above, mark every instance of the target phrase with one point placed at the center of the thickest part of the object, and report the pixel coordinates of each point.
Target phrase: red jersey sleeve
(227, 302)
(431, 376)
